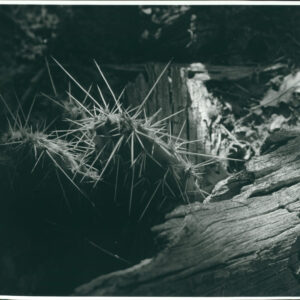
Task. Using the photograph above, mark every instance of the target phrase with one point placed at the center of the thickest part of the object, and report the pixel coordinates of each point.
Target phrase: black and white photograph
(150, 148)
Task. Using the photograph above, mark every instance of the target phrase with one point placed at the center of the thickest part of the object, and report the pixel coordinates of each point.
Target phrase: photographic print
(150, 149)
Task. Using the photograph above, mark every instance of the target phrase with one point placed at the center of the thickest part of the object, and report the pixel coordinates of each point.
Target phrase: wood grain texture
(246, 244)
(181, 92)
(181, 88)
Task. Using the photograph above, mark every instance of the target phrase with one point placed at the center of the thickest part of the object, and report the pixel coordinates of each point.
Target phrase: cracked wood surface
(242, 241)
(181, 93)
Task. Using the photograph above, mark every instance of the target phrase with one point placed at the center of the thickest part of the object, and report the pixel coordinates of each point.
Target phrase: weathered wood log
(182, 92)
(243, 241)
(182, 88)
(216, 72)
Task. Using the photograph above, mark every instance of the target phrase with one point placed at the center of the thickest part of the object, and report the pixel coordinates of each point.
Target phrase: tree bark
(242, 241)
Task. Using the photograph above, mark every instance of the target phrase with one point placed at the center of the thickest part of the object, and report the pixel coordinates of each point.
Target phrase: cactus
(23, 144)
(129, 145)
(120, 146)
(112, 155)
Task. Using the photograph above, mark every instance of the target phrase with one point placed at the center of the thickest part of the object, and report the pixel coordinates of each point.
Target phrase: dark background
(75, 35)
